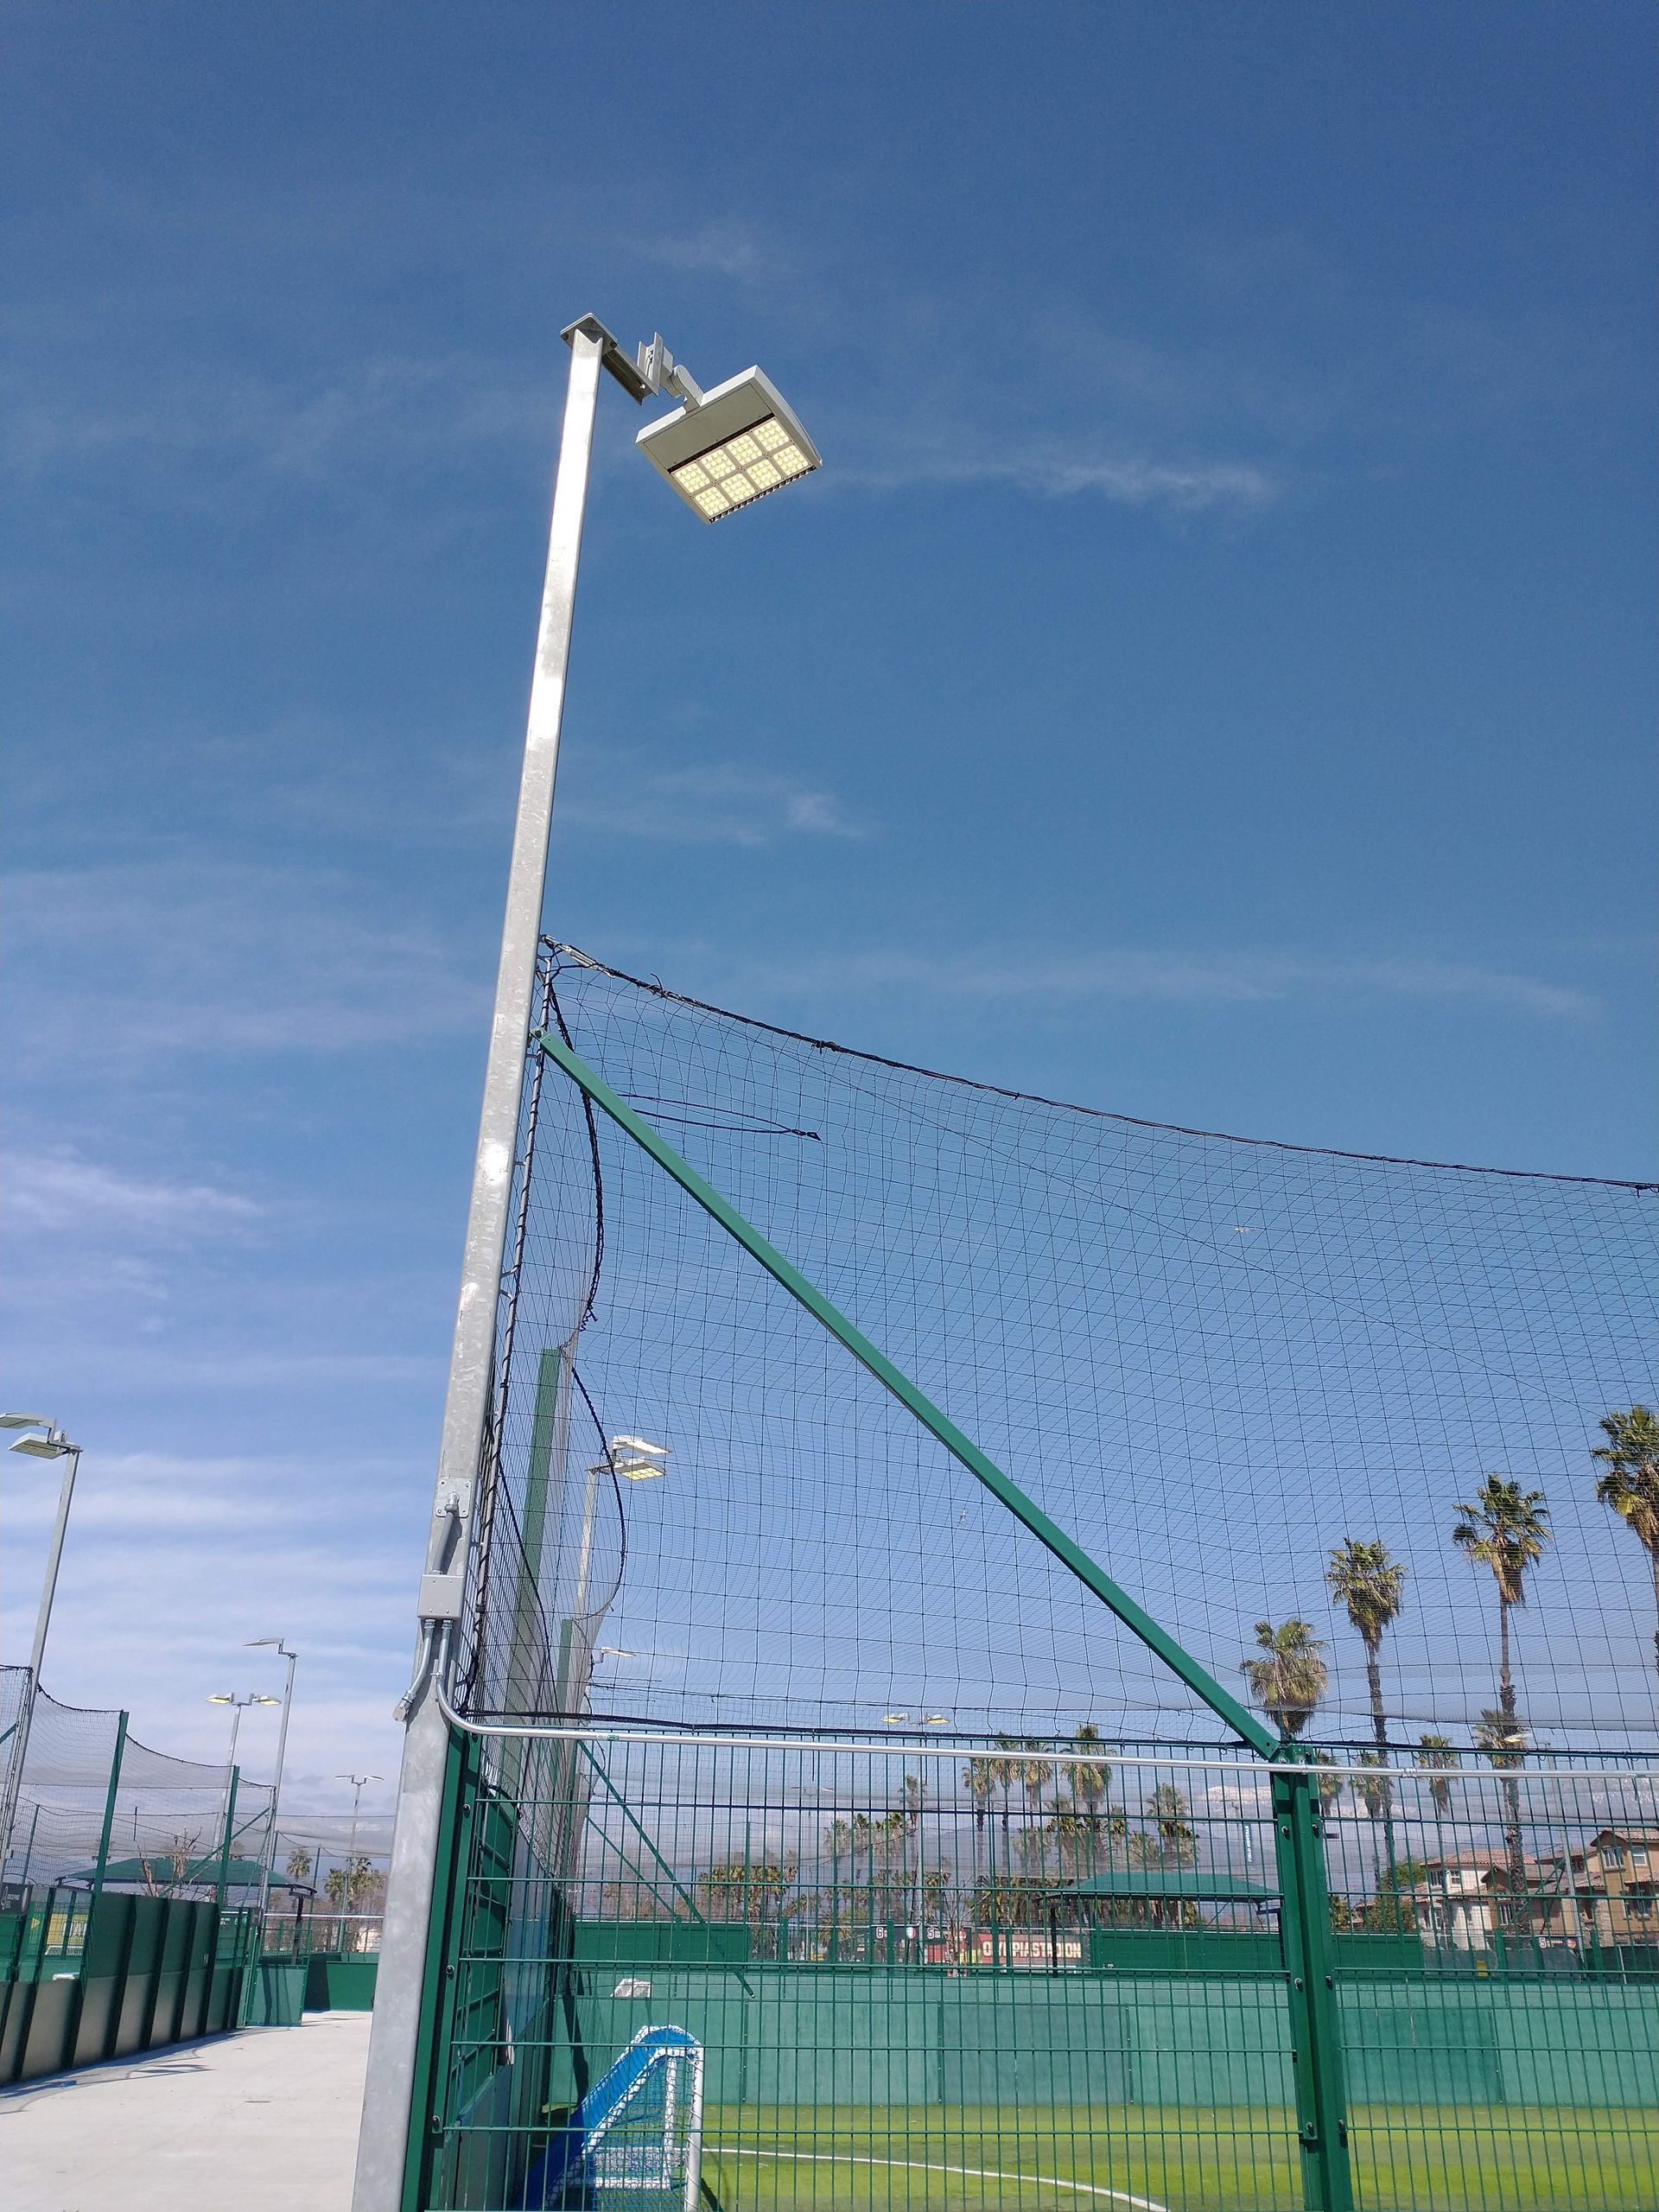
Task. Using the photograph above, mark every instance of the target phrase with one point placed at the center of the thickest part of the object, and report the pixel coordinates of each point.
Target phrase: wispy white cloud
(1176, 977)
(410, 409)
(1050, 471)
(176, 1561)
(221, 957)
(58, 1191)
(726, 247)
(300, 424)
(714, 803)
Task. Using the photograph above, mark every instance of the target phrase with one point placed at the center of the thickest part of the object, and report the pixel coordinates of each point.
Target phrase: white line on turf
(926, 2166)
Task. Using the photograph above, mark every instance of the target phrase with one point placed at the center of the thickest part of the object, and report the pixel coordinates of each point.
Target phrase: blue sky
(1210, 677)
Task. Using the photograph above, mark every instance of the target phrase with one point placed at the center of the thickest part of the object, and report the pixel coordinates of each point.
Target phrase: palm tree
(300, 1863)
(1007, 1773)
(1035, 1774)
(1504, 1740)
(1327, 1779)
(1370, 1784)
(1168, 1842)
(1171, 1816)
(1087, 1783)
(1506, 1528)
(1287, 1682)
(1435, 1753)
(979, 1779)
(1370, 1588)
(1630, 1485)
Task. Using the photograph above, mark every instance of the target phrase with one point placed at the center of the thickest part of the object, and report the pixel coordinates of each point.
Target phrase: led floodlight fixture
(636, 1459)
(739, 442)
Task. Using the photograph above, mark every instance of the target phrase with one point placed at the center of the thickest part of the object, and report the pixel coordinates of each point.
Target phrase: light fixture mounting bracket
(662, 372)
(612, 357)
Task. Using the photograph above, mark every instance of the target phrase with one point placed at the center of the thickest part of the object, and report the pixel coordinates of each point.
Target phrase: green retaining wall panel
(143, 1955)
(1214, 1952)
(143, 1978)
(49, 2027)
(850, 2038)
(341, 1984)
(274, 1995)
(173, 1967)
(651, 1942)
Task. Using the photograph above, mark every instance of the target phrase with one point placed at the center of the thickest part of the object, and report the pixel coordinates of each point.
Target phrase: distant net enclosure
(1213, 1362)
(95, 1807)
(1018, 1657)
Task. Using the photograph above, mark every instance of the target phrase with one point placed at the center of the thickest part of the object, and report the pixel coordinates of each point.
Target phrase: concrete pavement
(263, 2121)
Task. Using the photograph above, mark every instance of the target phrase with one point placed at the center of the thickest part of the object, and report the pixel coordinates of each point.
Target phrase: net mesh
(167, 1828)
(1213, 1362)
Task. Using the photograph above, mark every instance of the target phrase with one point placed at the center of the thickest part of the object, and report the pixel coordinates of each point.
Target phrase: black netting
(1213, 1362)
(167, 1824)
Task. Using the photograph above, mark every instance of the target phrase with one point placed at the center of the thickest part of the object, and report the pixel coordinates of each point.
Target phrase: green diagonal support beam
(598, 1765)
(1180, 1662)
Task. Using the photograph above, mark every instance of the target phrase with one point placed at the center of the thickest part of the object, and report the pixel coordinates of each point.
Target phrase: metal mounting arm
(662, 372)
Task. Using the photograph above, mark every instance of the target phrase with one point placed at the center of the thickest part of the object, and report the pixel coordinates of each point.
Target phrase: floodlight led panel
(742, 443)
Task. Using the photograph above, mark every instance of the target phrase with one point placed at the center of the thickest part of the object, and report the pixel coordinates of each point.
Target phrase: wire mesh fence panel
(902, 1994)
(788, 1734)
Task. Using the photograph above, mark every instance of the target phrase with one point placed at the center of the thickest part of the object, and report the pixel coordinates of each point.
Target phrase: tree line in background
(1504, 1528)
(1041, 1820)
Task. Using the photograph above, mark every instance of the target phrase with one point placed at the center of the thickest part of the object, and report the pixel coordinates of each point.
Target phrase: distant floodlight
(43, 1447)
(936, 1719)
(636, 1459)
(892, 1720)
(743, 441)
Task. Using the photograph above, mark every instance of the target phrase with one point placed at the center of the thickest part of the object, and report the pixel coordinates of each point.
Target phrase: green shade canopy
(1170, 1882)
(157, 1873)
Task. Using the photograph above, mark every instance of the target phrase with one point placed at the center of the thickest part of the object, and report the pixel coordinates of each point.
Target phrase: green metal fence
(128, 1902)
(85, 1978)
(1079, 1991)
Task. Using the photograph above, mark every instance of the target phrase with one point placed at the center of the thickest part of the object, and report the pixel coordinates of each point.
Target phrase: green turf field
(1418, 2158)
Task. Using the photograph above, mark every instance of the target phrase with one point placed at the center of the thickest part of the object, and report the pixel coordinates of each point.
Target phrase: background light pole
(238, 1706)
(720, 451)
(50, 1443)
(357, 1782)
(259, 1644)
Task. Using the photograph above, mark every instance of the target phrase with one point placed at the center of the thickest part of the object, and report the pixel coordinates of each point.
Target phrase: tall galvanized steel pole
(389, 2090)
(61, 1448)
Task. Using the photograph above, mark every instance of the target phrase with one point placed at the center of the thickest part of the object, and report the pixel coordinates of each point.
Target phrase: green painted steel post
(426, 2114)
(28, 1849)
(1198, 1678)
(223, 1884)
(1310, 1987)
(109, 1805)
(527, 1652)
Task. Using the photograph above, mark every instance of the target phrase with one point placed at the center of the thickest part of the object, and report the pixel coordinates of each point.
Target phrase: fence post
(109, 1804)
(1310, 1984)
(223, 1883)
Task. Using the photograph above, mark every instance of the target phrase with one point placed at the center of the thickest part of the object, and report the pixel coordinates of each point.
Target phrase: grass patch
(1414, 2159)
